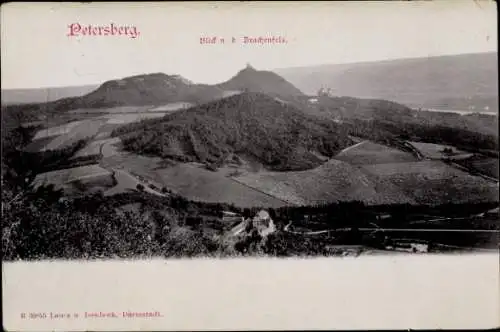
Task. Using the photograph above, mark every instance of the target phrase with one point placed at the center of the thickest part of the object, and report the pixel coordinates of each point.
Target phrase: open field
(366, 153)
(192, 181)
(131, 117)
(84, 174)
(483, 165)
(229, 93)
(436, 151)
(57, 130)
(429, 182)
(133, 109)
(204, 185)
(38, 144)
(100, 125)
(84, 129)
(434, 182)
(171, 107)
(331, 182)
(105, 146)
(127, 182)
(111, 110)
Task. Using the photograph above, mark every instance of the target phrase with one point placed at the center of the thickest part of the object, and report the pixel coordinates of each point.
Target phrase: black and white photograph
(245, 130)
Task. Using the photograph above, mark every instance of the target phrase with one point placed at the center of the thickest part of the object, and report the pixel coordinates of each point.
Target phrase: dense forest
(276, 134)
(383, 121)
(386, 132)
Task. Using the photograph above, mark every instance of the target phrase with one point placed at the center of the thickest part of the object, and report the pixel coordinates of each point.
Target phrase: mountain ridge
(160, 88)
(462, 82)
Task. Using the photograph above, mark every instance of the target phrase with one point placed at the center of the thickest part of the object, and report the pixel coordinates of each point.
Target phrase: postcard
(249, 165)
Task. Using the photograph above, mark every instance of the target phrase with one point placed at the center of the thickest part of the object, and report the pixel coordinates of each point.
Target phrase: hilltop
(462, 82)
(250, 124)
(252, 80)
(150, 89)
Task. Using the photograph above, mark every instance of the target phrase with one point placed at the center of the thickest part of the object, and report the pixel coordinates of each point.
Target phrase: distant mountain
(275, 134)
(252, 80)
(462, 82)
(149, 89)
(41, 95)
(140, 90)
(159, 88)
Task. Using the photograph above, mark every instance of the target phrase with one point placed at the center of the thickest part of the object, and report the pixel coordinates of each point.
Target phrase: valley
(166, 162)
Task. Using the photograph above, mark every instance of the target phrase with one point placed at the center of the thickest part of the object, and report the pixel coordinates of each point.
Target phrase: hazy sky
(36, 51)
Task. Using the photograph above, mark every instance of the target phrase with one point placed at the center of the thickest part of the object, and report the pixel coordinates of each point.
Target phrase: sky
(37, 51)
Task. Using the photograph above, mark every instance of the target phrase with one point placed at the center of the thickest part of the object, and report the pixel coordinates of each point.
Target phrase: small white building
(263, 223)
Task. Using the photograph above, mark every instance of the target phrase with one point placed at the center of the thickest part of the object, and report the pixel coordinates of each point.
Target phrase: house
(263, 223)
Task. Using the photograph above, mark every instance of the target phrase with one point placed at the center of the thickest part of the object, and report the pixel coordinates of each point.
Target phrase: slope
(278, 135)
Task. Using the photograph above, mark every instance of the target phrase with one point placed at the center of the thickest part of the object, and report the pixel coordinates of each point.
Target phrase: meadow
(434, 182)
(62, 177)
(367, 152)
(191, 180)
(333, 181)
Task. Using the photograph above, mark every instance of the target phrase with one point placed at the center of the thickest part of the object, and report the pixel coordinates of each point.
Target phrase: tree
(140, 187)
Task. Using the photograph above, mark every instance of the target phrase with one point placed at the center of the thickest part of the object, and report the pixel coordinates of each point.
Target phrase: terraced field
(367, 153)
